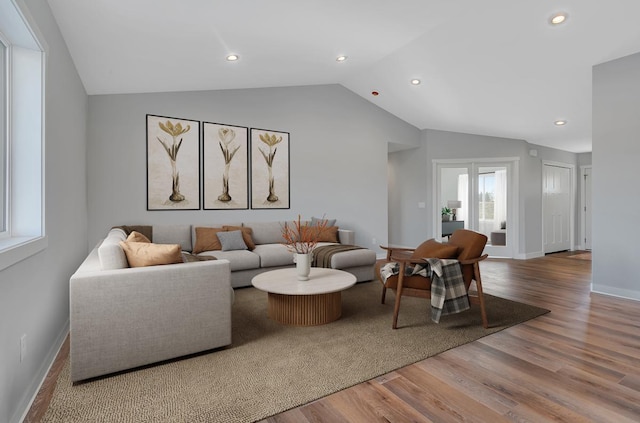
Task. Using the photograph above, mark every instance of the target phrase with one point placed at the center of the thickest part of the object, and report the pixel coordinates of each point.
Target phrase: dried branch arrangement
(301, 237)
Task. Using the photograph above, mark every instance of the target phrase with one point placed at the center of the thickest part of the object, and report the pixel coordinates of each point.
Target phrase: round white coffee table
(304, 303)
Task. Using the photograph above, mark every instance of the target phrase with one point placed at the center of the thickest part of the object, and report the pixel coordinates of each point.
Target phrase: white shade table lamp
(453, 205)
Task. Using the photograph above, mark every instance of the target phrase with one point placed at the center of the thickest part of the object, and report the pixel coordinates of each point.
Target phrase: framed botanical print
(269, 169)
(173, 163)
(226, 166)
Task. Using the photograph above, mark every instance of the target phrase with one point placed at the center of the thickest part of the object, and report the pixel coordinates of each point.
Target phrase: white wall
(338, 145)
(616, 153)
(412, 171)
(34, 293)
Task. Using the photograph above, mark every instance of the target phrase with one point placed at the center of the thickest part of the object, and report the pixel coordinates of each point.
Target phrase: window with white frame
(22, 147)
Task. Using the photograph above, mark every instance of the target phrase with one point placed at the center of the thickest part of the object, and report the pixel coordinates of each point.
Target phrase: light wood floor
(581, 362)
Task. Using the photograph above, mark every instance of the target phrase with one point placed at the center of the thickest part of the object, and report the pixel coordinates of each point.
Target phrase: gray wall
(34, 293)
(410, 225)
(338, 154)
(616, 152)
(409, 180)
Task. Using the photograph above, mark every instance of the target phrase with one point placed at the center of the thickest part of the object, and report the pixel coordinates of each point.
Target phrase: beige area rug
(271, 368)
(581, 256)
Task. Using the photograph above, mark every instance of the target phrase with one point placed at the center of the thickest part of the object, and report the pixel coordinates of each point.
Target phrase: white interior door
(556, 208)
(587, 208)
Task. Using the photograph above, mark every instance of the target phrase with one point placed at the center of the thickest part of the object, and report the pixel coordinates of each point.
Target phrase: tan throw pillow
(246, 235)
(329, 234)
(137, 237)
(434, 249)
(207, 240)
(141, 254)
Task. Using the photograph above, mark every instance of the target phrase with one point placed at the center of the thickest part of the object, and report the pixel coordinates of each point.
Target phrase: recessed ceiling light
(558, 18)
(415, 82)
(341, 58)
(232, 57)
(560, 122)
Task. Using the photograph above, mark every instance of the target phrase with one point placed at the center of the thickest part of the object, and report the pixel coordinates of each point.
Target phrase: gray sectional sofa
(122, 317)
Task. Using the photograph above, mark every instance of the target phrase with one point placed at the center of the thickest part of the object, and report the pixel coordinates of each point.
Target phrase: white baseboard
(615, 292)
(43, 372)
(528, 256)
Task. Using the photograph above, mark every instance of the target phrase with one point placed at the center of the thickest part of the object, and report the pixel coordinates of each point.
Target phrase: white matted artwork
(226, 166)
(173, 163)
(269, 169)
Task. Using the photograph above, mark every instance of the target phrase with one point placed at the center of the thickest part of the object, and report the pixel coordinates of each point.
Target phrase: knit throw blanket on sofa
(322, 255)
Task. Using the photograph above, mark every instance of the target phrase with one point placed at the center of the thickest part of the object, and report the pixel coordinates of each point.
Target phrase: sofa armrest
(346, 237)
(121, 319)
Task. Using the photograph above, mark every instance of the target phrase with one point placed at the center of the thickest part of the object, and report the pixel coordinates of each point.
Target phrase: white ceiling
(490, 67)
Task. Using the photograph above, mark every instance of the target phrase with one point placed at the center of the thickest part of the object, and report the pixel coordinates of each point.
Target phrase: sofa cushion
(238, 260)
(231, 240)
(206, 239)
(266, 232)
(135, 236)
(434, 249)
(110, 253)
(272, 255)
(246, 235)
(141, 254)
(173, 234)
(353, 258)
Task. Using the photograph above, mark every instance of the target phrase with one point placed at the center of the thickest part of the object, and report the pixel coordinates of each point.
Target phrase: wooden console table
(449, 227)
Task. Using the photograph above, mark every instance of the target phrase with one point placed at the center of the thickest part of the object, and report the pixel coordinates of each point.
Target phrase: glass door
(453, 211)
(477, 196)
(492, 207)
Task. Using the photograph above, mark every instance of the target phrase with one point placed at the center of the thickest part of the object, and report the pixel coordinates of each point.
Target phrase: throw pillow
(207, 240)
(434, 249)
(329, 234)
(137, 237)
(140, 254)
(246, 235)
(315, 221)
(231, 241)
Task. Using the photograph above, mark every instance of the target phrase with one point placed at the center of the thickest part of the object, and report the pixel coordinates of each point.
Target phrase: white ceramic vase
(303, 266)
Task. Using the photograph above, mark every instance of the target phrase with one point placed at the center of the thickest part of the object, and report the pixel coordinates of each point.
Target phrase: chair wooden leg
(396, 308)
(483, 311)
(384, 293)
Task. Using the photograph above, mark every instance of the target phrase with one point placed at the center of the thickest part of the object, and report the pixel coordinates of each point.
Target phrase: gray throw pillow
(330, 222)
(232, 241)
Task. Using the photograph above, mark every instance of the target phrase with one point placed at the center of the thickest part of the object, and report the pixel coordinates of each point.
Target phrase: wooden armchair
(464, 245)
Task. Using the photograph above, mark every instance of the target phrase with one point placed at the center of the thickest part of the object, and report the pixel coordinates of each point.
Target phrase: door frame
(572, 195)
(583, 207)
(513, 202)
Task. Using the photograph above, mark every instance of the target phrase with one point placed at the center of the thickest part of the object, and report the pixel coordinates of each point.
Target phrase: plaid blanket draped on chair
(448, 293)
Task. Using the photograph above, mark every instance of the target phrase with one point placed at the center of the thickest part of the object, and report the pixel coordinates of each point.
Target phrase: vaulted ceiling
(491, 67)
